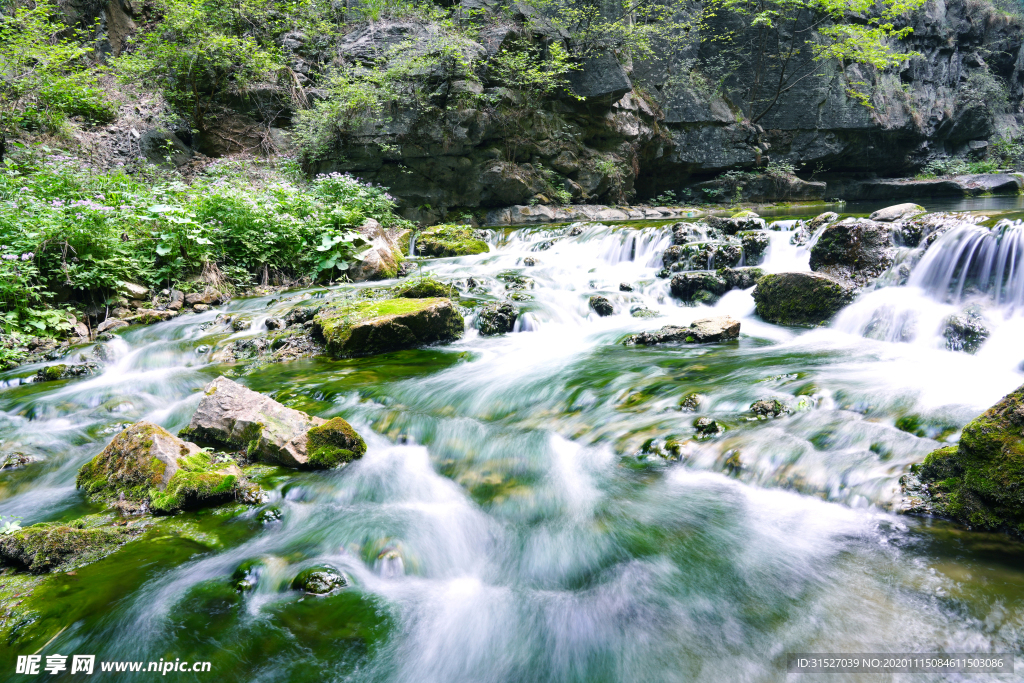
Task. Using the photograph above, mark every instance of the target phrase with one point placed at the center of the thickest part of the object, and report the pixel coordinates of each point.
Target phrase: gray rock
(706, 330)
(965, 332)
(109, 325)
(772, 407)
(689, 286)
(497, 319)
(601, 306)
(135, 291)
(855, 248)
(177, 300)
(275, 323)
(897, 212)
(800, 298)
(821, 220)
(600, 77)
(208, 296)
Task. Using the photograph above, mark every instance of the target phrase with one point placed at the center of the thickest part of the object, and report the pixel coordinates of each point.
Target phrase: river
(513, 520)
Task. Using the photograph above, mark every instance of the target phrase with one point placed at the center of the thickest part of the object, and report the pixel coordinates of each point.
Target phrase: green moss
(333, 443)
(363, 328)
(980, 481)
(60, 547)
(800, 298)
(52, 373)
(118, 471)
(193, 489)
(449, 240)
(425, 288)
(251, 437)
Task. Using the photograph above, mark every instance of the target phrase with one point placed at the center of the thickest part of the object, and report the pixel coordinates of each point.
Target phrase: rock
(148, 316)
(688, 286)
(980, 480)
(382, 258)
(134, 291)
(57, 547)
(449, 240)
(769, 407)
(80, 330)
(162, 146)
(425, 288)
(497, 319)
(208, 296)
(147, 465)
(319, 580)
(601, 306)
(897, 212)
(177, 300)
(120, 312)
(370, 327)
(529, 261)
(600, 77)
(240, 324)
(109, 325)
(301, 314)
(274, 323)
(625, 287)
(236, 417)
(13, 460)
(740, 278)
(731, 226)
(53, 373)
(691, 403)
(641, 311)
(755, 244)
(854, 248)
(705, 330)
(706, 427)
(800, 298)
(332, 444)
(201, 308)
(822, 219)
(965, 332)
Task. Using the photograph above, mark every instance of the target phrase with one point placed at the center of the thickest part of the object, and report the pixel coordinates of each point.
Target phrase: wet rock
(691, 403)
(497, 319)
(109, 325)
(821, 220)
(529, 261)
(755, 244)
(641, 311)
(145, 465)
(706, 427)
(370, 327)
(149, 316)
(177, 300)
(13, 460)
(706, 330)
(319, 580)
(684, 233)
(201, 308)
(740, 278)
(209, 297)
(965, 332)
(853, 248)
(233, 416)
(52, 373)
(800, 298)
(240, 324)
(897, 212)
(601, 306)
(425, 288)
(731, 226)
(769, 407)
(450, 240)
(332, 444)
(625, 287)
(383, 254)
(275, 324)
(301, 314)
(43, 548)
(980, 480)
(689, 286)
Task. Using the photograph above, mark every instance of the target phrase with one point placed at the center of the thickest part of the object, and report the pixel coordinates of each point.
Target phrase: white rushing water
(506, 522)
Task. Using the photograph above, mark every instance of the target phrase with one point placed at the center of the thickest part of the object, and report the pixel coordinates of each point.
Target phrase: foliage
(68, 227)
(10, 526)
(197, 52)
(45, 76)
(954, 166)
(982, 88)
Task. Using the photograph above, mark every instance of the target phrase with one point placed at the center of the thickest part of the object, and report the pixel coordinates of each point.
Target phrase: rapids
(512, 520)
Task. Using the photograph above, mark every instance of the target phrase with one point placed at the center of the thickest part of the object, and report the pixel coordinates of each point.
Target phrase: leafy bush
(953, 166)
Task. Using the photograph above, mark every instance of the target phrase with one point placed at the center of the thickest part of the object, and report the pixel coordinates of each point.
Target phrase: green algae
(362, 328)
(449, 240)
(333, 443)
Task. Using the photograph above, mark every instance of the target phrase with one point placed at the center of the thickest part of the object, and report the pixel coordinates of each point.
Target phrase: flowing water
(514, 518)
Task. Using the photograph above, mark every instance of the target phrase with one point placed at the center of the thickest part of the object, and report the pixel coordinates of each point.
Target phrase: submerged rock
(706, 427)
(980, 480)
(698, 286)
(769, 407)
(800, 298)
(236, 417)
(60, 371)
(319, 580)
(145, 465)
(965, 332)
(366, 328)
(497, 319)
(450, 240)
(601, 306)
(61, 547)
(853, 248)
(702, 331)
(897, 212)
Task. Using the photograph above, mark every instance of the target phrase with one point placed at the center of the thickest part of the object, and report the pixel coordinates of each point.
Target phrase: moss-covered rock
(449, 240)
(332, 444)
(147, 466)
(61, 547)
(233, 416)
(52, 373)
(855, 248)
(498, 318)
(800, 298)
(706, 330)
(980, 481)
(601, 305)
(755, 244)
(687, 286)
(740, 278)
(366, 328)
(319, 580)
(425, 288)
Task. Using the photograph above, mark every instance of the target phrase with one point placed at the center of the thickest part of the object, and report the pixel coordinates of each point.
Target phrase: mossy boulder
(498, 318)
(366, 328)
(319, 580)
(52, 373)
(235, 417)
(425, 288)
(800, 298)
(61, 547)
(855, 248)
(147, 466)
(703, 331)
(688, 286)
(332, 444)
(980, 480)
(601, 306)
(450, 240)
(740, 278)
(755, 244)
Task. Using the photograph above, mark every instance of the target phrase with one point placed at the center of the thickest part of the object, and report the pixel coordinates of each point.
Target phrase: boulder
(755, 244)
(600, 77)
(800, 298)
(731, 226)
(233, 416)
(60, 371)
(822, 219)
(689, 286)
(177, 300)
(854, 248)
(449, 240)
(740, 278)
(145, 465)
(366, 328)
(897, 212)
(601, 306)
(382, 257)
(425, 288)
(208, 297)
(706, 330)
(497, 319)
(980, 480)
(61, 547)
(134, 291)
(109, 325)
(965, 332)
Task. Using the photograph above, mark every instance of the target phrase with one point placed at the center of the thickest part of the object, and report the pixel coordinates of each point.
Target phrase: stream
(514, 518)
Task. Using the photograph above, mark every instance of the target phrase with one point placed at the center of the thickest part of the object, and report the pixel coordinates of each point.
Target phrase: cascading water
(512, 519)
